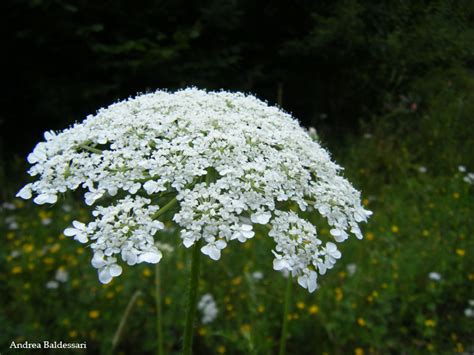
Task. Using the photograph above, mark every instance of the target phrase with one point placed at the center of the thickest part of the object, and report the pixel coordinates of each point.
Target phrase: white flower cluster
(217, 162)
(207, 306)
(468, 176)
(469, 312)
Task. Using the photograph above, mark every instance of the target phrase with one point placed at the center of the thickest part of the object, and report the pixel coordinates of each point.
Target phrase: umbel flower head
(217, 162)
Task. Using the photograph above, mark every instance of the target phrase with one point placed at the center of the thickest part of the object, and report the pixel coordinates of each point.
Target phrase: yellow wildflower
(55, 248)
(94, 314)
(73, 334)
(48, 261)
(245, 328)
(28, 248)
(430, 323)
(236, 281)
(313, 309)
(459, 348)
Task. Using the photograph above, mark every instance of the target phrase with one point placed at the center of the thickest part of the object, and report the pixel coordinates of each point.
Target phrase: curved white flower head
(218, 164)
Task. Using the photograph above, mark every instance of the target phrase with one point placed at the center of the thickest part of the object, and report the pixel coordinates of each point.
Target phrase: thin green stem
(286, 311)
(126, 314)
(165, 208)
(192, 299)
(91, 149)
(159, 310)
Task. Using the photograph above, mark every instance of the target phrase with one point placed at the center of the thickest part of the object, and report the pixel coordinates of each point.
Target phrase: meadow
(406, 288)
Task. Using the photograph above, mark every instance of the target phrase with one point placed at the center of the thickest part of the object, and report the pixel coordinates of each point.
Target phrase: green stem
(192, 300)
(126, 314)
(91, 149)
(165, 208)
(159, 313)
(286, 311)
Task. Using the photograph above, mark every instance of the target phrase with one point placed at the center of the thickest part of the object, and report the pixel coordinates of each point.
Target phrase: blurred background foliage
(389, 87)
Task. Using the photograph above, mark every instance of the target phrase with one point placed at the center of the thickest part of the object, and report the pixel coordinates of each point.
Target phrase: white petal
(341, 238)
(248, 235)
(187, 242)
(41, 199)
(25, 192)
(150, 186)
(303, 281)
(280, 264)
(330, 247)
(221, 244)
(115, 270)
(70, 232)
(98, 261)
(81, 238)
(152, 257)
(312, 284)
(104, 276)
(79, 225)
(129, 257)
(48, 135)
(246, 227)
(214, 253)
(206, 249)
(335, 232)
(134, 188)
(322, 268)
(261, 217)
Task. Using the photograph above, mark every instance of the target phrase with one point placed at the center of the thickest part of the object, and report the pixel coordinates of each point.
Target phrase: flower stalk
(159, 310)
(286, 311)
(123, 320)
(192, 299)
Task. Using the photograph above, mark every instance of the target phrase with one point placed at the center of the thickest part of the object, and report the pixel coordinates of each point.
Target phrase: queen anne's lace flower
(219, 163)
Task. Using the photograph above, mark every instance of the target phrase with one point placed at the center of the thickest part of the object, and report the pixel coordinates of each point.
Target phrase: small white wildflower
(61, 275)
(261, 217)
(469, 312)
(351, 269)
(9, 206)
(52, 284)
(15, 253)
(207, 306)
(257, 275)
(213, 248)
(79, 232)
(461, 168)
(422, 169)
(469, 178)
(435, 276)
(46, 221)
(11, 222)
(243, 233)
